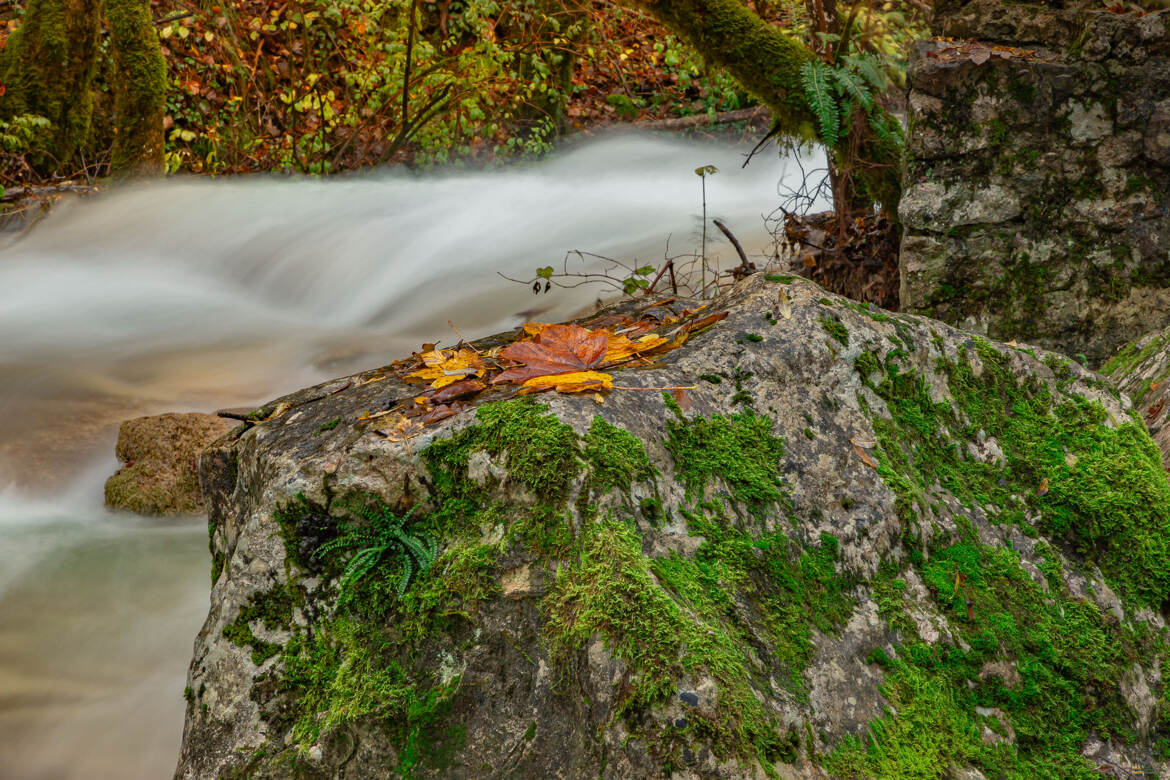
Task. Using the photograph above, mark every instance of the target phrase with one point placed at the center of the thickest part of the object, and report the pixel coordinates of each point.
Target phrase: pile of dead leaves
(858, 259)
(949, 50)
(565, 358)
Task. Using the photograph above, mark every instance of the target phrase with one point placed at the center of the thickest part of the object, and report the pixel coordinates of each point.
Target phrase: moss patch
(739, 450)
(1065, 657)
(616, 457)
(1097, 490)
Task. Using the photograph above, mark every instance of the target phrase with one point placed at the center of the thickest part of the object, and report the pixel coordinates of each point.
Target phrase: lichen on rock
(875, 548)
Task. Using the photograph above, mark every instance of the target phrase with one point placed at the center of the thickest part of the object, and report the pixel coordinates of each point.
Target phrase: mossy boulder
(160, 454)
(860, 544)
(1140, 370)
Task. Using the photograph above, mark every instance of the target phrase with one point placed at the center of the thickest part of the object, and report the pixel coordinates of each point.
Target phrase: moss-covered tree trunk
(761, 58)
(767, 62)
(140, 100)
(48, 69)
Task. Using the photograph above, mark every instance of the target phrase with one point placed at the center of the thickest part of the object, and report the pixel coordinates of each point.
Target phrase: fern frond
(849, 84)
(870, 68)
(816, 78)
(888, 129)
(407, 570)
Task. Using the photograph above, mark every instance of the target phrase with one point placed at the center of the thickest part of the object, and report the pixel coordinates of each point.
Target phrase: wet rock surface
(859, 544)
(160, 456)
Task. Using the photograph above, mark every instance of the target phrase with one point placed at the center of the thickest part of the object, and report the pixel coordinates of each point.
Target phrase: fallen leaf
(598, 399)
(457, 390)
(1043, 489)
(577, 382)
(705, 322)
(621, 348)
(683, 398)
(784, 304)
(446, 366)
(280, 409)
(1153, 412)
(866, 458)
(556, 349)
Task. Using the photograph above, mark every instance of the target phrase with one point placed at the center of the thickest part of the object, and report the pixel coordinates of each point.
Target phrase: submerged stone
(159, 456)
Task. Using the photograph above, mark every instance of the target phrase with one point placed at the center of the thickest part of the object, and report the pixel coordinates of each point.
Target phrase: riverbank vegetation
(326, 86)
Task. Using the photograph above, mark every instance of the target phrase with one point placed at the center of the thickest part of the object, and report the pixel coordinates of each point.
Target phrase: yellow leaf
(576, 382)
(444, 366)
(621, 348)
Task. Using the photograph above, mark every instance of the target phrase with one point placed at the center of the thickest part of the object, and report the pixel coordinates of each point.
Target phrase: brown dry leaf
(683, 398)
(1156, 385)
(1153, 412)
(577, 382)
(445, 366)
(456, 390)
(866, 458)
(1043, 489)
(556, 349)
(440, 413)
(705, 322)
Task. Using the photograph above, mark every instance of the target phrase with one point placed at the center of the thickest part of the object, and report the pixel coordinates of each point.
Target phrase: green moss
(1067, 655)
(1107, 499)
(753, 337)
(274, 609)
(780, 279)
(1130, 356)
(738, 450)
(714, 379)
(675, 617)
(835, 328)
(140, 89)
(48, 68)
(328, 426)
(616, 458)
(543, 454)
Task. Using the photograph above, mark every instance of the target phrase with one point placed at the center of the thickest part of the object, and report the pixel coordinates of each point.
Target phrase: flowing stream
(193, 295)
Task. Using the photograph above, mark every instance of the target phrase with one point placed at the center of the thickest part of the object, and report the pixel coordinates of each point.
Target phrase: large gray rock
(1037, 177)
(863, 544)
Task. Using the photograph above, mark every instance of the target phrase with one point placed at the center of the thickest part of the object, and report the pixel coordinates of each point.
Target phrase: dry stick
(734, 241)
(461, 337)
(661, 271)
(657, 389)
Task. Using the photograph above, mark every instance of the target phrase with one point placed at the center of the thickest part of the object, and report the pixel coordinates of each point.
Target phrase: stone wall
(1038, 174)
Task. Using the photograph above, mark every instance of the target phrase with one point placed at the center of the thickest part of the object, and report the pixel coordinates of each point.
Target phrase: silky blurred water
(204, 293)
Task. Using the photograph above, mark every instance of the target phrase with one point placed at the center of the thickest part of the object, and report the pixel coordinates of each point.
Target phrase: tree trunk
(761, 58)
(140, 97)
(48, 68)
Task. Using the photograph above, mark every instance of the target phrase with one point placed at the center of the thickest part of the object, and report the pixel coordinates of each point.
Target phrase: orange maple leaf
(556, 349)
